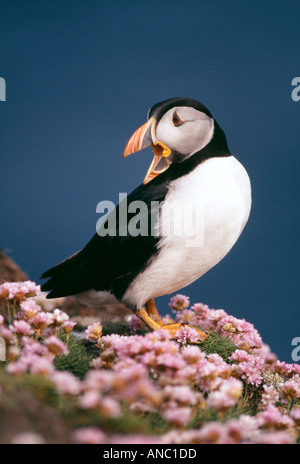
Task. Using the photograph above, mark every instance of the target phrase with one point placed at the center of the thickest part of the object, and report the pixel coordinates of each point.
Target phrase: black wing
(109, 262)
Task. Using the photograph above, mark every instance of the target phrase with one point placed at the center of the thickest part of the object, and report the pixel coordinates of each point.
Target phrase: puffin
(180, 222)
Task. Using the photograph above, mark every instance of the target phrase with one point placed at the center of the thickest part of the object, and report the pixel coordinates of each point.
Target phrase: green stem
(8, 310)
(14, 310)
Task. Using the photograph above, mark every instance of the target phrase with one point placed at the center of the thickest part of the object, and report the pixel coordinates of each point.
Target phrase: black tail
(67, 278)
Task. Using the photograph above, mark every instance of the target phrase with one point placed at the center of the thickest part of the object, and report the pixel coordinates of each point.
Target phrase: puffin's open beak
(144, 137)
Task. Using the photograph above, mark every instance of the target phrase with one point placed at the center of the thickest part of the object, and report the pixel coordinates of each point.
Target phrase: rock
(9, 270)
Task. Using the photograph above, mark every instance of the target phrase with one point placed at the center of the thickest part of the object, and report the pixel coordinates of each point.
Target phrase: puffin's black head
(177, 129)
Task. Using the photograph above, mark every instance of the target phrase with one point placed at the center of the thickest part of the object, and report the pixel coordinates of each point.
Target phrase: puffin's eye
(176, 119)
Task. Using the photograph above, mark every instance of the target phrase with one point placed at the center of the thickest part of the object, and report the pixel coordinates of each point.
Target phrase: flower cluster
(201, 396)
(241, 332)
(18, 291)
(31, 338)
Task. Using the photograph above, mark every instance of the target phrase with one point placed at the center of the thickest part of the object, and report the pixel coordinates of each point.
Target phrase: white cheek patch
(194, 134)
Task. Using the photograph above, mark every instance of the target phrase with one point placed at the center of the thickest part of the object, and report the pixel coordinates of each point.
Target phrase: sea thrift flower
(90, 400)
(14, 352)
(30, 308)
(192, 354)
(18, 367)
(110, 407)
(180, 394)
(275, 438)
(41, 321)
(212, 433)
(8, 335)
(59, 318)
(94, 331)
(68, 326)
(32, 347)
(66, 383)
(18, 291)
(178, 416)
(89, 436)
(295, 415)
(272, 418)
(21, 328)
(270, 396)
(187, 335)
(201, 312)
(227, 395)
(136, 439)
(178, 302)
(291, 388)
(41, 366)
(247, 367)
(135, 324)
(56, 346)
(242, 333)
(284, 369)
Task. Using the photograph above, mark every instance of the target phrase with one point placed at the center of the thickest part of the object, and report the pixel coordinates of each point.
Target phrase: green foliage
(220, 345)
(77, 361)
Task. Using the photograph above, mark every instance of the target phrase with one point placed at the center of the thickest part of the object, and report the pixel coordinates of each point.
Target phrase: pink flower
(110, 407)
(135, 324)
(180, 394)
(275, 438)
(18, 290)
(30, 308)
(187, 335)
(41, 366)
(242, 333)
(56, 346)
(8, 335)
(295, 415)
(90, 400)
(192, 354)
(94, 331)
(247, 367)
(89, 436)
(41, 320)
(18, 367)
(212, 433)
(178, 416)
(66, 383)
(284, 369)
(291, 388)
(68, 326)
(137, 439)
(269, 396)
(32, 347)
(59, 318)
(170, 361)
(227, 395)
(178, 302)
(21, 328)
(272, 418)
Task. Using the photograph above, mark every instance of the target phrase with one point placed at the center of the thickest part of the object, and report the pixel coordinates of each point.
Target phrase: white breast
(212, 205)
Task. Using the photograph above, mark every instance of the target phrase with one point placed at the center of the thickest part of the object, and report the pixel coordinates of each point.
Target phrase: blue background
(81, 76)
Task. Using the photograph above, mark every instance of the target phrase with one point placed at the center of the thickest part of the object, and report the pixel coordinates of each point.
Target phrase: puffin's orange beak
(144, 137)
